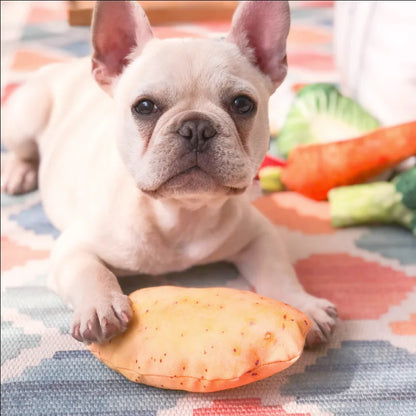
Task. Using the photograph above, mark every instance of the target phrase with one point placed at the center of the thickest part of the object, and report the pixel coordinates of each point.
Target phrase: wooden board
(162, 12)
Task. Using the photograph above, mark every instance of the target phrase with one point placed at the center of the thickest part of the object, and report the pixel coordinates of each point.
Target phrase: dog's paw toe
(103, 321)
(322, 314)
(18, 176)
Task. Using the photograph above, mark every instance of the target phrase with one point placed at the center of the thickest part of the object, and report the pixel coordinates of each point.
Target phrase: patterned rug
(368, 367)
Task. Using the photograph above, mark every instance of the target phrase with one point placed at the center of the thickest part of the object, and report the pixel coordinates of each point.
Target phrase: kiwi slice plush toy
(320, 114)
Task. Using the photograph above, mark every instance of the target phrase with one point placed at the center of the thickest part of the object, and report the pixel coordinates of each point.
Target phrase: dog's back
(62, 113)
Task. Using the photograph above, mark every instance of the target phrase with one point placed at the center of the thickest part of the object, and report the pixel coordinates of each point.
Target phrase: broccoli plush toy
(378, 202)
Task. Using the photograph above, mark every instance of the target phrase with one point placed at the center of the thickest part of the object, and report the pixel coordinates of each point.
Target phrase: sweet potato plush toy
(204, 340)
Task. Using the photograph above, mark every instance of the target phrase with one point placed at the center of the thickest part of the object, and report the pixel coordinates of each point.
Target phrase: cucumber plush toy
(378, 202)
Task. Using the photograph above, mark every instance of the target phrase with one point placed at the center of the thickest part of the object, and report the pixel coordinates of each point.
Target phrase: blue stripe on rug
(400, 243)
(75, 383)
(34, 218)
(369, 378)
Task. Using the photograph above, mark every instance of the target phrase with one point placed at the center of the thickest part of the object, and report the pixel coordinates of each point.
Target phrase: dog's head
(192, 114)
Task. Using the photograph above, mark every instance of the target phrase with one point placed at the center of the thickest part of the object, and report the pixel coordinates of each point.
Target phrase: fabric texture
(367, 368)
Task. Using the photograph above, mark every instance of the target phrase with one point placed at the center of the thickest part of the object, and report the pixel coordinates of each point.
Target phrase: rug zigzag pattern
(369, 365)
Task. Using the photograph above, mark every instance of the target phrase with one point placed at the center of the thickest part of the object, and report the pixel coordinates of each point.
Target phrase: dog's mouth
(193, 180)
(192, 177)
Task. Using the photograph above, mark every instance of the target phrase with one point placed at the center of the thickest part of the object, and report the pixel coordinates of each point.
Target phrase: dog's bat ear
(118, 29)
(260, 29)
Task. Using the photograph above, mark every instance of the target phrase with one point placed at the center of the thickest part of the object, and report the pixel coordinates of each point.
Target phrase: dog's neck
(181, 210)
(180, 219)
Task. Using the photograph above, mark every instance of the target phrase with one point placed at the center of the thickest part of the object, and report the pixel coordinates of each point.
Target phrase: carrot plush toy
(313, 170)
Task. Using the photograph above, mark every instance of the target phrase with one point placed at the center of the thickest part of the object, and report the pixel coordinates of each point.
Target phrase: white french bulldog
(151, 175)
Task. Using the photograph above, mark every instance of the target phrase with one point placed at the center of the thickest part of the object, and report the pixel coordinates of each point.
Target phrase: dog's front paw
(322, 314)
(18, 176)
(103, 320)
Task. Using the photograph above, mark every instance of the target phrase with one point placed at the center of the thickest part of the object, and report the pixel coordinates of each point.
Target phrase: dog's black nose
(197, 132)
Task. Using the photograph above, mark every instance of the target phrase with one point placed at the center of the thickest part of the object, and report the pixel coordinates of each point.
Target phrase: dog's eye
(243, 104)
(145, 107)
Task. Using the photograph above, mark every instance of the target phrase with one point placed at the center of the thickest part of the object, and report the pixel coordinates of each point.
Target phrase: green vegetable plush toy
(321, 114)
(378, 202)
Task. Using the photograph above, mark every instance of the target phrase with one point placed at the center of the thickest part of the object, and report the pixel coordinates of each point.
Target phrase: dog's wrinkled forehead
(178, 68)
(258, 30)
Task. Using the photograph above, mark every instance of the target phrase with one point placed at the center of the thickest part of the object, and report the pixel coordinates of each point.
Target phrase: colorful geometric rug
(367, 368)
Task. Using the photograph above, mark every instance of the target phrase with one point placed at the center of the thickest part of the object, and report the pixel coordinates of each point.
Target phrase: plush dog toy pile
(337, 169)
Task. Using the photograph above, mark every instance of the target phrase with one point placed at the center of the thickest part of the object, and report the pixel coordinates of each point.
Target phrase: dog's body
(152, 179)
